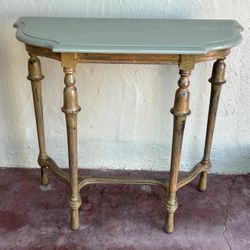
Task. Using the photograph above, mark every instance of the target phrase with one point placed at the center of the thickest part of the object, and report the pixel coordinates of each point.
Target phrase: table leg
(216, 80)
(180, 112)
(35, 76)
(71, 108)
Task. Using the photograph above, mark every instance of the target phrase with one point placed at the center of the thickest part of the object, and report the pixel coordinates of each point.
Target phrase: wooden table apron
(69, 60)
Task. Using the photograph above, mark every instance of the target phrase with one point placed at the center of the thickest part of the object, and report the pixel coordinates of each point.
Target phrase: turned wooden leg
(35, 76)
(216, 80)
(71, 108)
(180, 112)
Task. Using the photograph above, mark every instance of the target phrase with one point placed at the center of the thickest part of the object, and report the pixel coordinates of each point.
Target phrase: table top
(135, 36)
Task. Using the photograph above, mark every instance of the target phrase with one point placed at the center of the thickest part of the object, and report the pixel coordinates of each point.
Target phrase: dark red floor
(123, 217)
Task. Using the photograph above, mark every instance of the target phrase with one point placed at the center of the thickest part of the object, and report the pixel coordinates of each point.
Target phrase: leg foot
(75, 219)
(75, 203)
(170, 223)
(202, 186)
(171, 206)
(44, 176)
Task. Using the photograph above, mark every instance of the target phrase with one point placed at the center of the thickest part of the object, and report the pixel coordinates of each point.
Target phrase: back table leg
(217, 79)
(35, 76)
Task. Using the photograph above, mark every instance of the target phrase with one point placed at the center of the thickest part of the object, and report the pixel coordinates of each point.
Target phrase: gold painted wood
(89, 180)
(71, 108)
(122, 180)
(58, 172)
(180, 111)
(44, 52)
(35, 76)
(217, 80)
(197, 169)
(127, 58)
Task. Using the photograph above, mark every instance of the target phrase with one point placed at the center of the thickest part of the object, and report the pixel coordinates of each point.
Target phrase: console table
(146, 41)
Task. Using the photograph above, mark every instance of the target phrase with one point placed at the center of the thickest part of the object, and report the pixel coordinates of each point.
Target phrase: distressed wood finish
(217, 80)
(71, 108)
(35, 76)
(180, 111)
(127, 58)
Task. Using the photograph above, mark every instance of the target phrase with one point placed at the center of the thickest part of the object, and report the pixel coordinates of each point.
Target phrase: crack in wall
(227, 213)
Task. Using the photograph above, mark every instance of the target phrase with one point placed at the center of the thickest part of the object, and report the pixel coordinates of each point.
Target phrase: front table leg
(180, 112)
(71, 108)
(35, 76)
(216, 80)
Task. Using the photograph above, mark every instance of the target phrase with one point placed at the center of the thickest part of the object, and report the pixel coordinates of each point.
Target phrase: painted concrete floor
(123, 217)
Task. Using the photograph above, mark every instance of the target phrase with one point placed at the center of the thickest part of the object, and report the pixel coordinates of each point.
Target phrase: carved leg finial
(35, 76)
(71, 108)
(216, 80)
(180, 112)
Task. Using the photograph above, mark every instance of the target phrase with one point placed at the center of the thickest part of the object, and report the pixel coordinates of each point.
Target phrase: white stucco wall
(125, 121)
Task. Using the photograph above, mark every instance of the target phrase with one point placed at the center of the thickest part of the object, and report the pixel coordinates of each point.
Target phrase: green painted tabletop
(139, 36)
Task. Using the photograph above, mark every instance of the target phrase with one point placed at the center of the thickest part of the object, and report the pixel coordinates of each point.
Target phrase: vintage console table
(146, 41)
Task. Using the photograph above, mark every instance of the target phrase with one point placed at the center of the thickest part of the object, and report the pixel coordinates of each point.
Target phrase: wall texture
(125, 121)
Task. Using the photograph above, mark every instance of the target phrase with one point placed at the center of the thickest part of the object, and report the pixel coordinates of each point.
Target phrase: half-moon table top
(135, 36)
